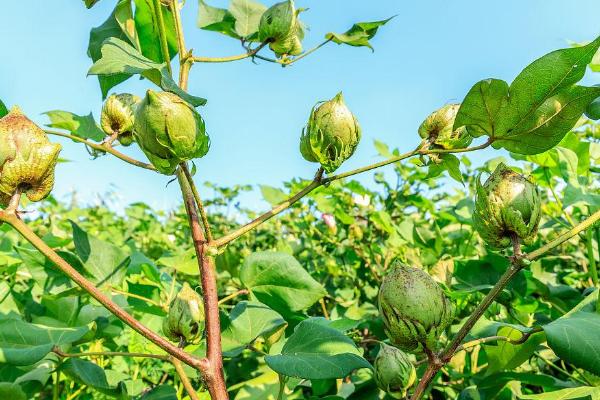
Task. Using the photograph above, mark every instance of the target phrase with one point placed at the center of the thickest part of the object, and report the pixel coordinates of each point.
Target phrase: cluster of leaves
(312, 278)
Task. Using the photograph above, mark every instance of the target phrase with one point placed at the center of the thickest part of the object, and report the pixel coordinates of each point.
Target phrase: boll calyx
(437, 128)
(117, 117)
(27, 158)
(506, 204)
(331, 134)
(415, 310)
(394, 371)
(185, 320)
(169, 130)
(281, 28)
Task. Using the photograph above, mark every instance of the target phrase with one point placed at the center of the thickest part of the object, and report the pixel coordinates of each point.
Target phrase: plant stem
(589, 236)
(162, 34)
(199, 203)
(104, 148)
(137, 296)
(184, 379)
(559, 369)
(249, 54)
(214, 379)
(56, 388)
(185, 60)
(488, 339)
(591, 220)
(306, 53)
(23, 229)
(233, 296)
(222, 241)
(59, 352)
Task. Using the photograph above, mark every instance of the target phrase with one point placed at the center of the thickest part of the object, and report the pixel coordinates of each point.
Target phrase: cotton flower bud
(415, 310)
(27, 158)
(394, 372)
(169, 130)
(506, 204)
(185, 320)
(331, 134)
(437, 128)
(118, 116)
(329, 220)
(281, 28)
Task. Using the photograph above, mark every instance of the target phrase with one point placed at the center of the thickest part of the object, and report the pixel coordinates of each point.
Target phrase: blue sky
(430, 54)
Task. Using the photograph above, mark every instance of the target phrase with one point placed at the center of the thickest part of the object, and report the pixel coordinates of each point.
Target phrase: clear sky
(430, 54)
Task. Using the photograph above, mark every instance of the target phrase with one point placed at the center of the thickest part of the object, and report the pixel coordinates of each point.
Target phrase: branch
(184, 379)
(198, 200)
(306, 53)
(61, 353)
(222, 241)
(23, 229)
(104, 148)
(214, 379)
(249, 54)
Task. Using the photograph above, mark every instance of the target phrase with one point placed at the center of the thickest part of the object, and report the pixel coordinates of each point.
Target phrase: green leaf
(90, 3)
(112, 27)
(147, 31)
(90, 374)
(161, 392)
(119, 57)
(247, 322)
(505, 355)
(105, 262)
(185, 262)
(247, 15)
(383, 149)
(11, 391)
(316, 351)
(359, 35)
(546, 126)
(479, 110)
(578, 393)
(22, 343)
(83, 126)
(3, 109)
(279, 281)
(448, 162)
(574, 338)
(216, 19)
(272, 195)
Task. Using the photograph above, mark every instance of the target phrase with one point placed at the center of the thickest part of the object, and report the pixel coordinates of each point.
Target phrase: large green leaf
(247, 15)
(11, 391)
(22, 343)
(119, 57)
(359, 34)
(185, 262)
(505, 355)
(317, 351)
(578, 393)
(112, 27)
(247, 322)
(83, 126)
(216, 19)
(574, 338)
(102, 260)
(279, 281)
(147, 31)
(90, 374)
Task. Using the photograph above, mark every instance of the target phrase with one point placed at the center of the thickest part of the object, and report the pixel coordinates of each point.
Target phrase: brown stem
(214, 379)
(23, 229)
(199, 203)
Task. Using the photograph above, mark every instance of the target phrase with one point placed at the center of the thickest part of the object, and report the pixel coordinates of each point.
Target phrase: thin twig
(61, 353)
(184, 379)
(199, 203)
(240, 292)
(249, 54)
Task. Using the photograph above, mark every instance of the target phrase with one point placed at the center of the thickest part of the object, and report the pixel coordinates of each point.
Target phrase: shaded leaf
(90, 374)
(11, 391)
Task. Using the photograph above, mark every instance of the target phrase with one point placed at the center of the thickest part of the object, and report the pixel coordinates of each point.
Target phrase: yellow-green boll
(27, 158)
(117, 116)
(331, 134)
(506, 205)
(394, 372)
(185, 319)
(437, 128)
(282, 29)
(414, 309)
(169, 130)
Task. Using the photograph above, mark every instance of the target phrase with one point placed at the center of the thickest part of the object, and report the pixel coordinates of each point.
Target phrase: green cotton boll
(437, 128)
(185, 320)
(507, 203)
(331, 134)
(169, 131)
(27, 158)
(117, 117)
(415, 310)
(281, 27)
(394, 372)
